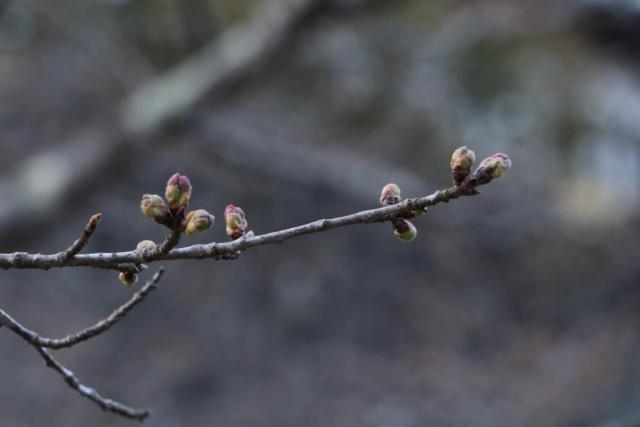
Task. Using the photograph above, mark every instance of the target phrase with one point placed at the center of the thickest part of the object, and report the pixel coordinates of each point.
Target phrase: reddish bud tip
(178, 191)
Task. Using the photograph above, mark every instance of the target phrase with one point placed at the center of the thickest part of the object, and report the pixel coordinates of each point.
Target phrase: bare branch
(39, 343)
(229, 250)
(106, 404)
(101, 326)
(82, 241)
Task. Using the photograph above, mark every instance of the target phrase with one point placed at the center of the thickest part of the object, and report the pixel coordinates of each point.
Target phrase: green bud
(146, 246)
(236, 222)
(153, 206)
(492, 167)
(128, 278)
(404, 229)
(198, 221)
(178, 191)
(390, 195)
(461, 161)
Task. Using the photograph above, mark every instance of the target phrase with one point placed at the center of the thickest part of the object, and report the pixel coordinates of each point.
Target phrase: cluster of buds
(236, 222)
(489, 169)
(402, 228)
(172, 211)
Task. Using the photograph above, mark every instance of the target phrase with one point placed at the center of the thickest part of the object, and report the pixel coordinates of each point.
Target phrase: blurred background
(515, 308)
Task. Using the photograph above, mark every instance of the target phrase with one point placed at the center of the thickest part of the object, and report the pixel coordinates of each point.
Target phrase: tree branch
(39, 343)
(79, 244)
(100, 327)
(214, 250)
(106, 404)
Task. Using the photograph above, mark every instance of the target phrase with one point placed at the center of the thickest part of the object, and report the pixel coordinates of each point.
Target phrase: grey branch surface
(39, 343)
(124, 260)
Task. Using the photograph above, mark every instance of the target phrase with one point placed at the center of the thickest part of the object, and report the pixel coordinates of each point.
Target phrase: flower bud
(178, 191)
(128, 278)
(153, 206)
(236, 222)
(492, 167)
(404, 229)
(461, 161)
(198, 221)
(390, 195)
(146, 246)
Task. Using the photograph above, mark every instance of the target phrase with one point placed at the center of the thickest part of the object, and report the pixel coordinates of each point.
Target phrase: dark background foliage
(518, 307)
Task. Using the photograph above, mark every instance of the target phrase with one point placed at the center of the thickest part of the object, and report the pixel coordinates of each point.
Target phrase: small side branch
(40, 343)
(100, 327)
(106, 404)
(79, 244)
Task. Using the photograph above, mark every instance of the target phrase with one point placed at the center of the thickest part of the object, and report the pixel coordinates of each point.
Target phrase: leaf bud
(128, 278)
(461, 161)
(404, 229)
(198, 221)
(492, 167)
(146, 246)
(153, 206)
(390, 195)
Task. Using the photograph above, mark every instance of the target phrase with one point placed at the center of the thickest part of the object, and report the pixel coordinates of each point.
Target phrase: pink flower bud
(390, 195)
(236, 222)
(178, 191)
(461, 161)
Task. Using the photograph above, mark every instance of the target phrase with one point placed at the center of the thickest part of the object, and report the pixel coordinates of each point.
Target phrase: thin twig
(106, 404)
(82, 241)
(170, 242)
(214, 250)
(101, 326)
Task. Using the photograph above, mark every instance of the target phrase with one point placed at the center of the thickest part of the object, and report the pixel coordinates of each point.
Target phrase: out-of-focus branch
(235, 53)
(215, 250)
(39, 343)
(41, 181)
(245, 142)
